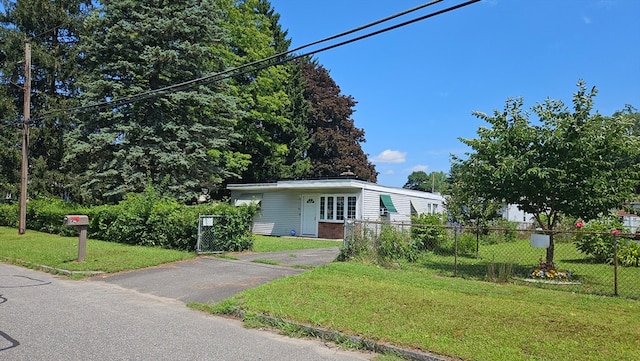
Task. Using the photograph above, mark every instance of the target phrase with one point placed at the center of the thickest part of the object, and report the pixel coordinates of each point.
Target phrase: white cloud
(419, 168)
(389, 172)
(390, 156)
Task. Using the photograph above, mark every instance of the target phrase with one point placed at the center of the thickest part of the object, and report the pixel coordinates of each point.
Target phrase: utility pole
(22, 222)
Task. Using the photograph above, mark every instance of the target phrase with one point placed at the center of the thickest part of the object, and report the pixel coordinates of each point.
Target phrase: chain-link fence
(224, 233)
(602, 263)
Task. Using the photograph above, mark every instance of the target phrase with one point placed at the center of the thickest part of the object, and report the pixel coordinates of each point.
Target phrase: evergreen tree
(336, 142)
(51, 27)
(9, 148)
(179, 141)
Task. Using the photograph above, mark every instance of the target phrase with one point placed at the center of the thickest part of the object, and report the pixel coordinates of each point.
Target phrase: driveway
(46, 317)
(212, 279)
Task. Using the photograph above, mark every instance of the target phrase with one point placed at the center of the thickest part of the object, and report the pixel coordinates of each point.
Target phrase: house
(630, 221)
(318, 208)
(512, 213)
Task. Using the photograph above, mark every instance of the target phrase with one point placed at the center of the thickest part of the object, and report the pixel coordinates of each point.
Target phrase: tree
(179, 141)
(573, 163)
(52, 28)
(271, 133)
(464, 205)
(336, 142)
(9, 148)
(432, 182)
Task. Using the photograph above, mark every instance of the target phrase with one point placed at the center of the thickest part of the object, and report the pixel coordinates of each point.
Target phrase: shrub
(46, 215)
(392, 244)
(358, 245)
(150, 220)
(141, 219)
(427, 232)
(9, 215)
(629, 254)
(596, 239)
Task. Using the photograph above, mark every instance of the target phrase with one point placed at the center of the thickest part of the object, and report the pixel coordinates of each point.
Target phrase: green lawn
(413, 305)
(417, 308)
(274, 244)
(34, 249)
(520, 258)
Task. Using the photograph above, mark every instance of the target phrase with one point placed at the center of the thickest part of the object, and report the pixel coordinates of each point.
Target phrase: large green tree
(336, 141)
(432, 182)
(180, 141)
(9, 148)
(274, 136)
(51, 27)
(464, 205)
(568, 162)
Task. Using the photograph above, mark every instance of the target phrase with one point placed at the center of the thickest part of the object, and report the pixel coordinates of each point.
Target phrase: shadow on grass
(479, 269)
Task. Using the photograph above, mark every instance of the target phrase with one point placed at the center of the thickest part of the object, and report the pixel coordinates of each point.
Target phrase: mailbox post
(81, 223)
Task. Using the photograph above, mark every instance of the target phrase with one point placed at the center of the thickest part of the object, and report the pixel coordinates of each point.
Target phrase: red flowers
(615, 232)
(579, 224)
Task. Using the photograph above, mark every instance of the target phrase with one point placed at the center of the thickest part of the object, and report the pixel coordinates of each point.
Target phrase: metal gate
(208, 243)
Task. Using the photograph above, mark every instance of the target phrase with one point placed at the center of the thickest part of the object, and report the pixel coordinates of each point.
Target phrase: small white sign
(207, 222)
(540, 240)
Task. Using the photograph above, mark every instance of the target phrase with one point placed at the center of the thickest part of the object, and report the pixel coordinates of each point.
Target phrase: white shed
(318, 208)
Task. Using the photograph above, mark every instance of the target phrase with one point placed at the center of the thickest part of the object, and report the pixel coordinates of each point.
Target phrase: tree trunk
(550, 251)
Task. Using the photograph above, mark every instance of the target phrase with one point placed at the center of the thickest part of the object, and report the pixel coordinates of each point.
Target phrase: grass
(411, 306)
(276, 244)
(520, 258)
(416, 308)
(34, 249)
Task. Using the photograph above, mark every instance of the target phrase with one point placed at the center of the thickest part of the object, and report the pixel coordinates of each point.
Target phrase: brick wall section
(330, 230)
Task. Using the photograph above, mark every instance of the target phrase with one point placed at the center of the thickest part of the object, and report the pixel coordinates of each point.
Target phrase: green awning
(388, 203)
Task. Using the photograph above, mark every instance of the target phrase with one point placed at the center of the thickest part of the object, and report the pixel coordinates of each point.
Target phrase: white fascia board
(328, 184)
(404, 191)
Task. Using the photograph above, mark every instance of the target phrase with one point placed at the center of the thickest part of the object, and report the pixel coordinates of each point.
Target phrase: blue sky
(416, 86)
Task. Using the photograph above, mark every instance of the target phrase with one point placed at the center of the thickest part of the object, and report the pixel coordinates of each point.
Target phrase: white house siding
(401, 199)
(631, 222)
(281, 202)
(279, 213)
(371, 205)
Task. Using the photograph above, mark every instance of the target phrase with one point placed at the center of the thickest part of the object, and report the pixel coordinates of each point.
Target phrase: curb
(67, 272)
(339, 338)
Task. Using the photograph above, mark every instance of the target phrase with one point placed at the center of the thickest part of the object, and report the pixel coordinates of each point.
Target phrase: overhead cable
(267, 62)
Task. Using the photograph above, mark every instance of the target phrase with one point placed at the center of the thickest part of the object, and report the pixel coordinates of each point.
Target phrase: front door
(309, 216)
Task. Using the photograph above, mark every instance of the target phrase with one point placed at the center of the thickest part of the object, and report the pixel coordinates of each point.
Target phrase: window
(351, 208)
(340, 208)
(337, 207)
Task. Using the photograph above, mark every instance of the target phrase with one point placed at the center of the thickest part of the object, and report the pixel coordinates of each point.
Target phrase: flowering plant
(579, 224)
(548, 272)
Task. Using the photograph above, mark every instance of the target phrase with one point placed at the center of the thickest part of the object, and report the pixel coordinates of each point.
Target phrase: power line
(264, 63)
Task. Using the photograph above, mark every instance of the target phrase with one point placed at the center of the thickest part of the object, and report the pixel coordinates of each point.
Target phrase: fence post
(477, 241)
(615, 263)
(455, 252)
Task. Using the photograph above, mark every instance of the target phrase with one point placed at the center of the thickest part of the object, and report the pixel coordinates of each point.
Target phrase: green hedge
(141, 219)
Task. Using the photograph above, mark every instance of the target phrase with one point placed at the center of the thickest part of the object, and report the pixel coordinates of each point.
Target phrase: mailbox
(82, 224)
(75, 220)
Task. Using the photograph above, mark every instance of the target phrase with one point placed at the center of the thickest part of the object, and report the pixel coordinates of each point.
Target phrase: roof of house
(329, 184)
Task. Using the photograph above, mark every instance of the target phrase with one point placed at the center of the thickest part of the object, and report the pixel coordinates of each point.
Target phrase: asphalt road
(121, 317)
